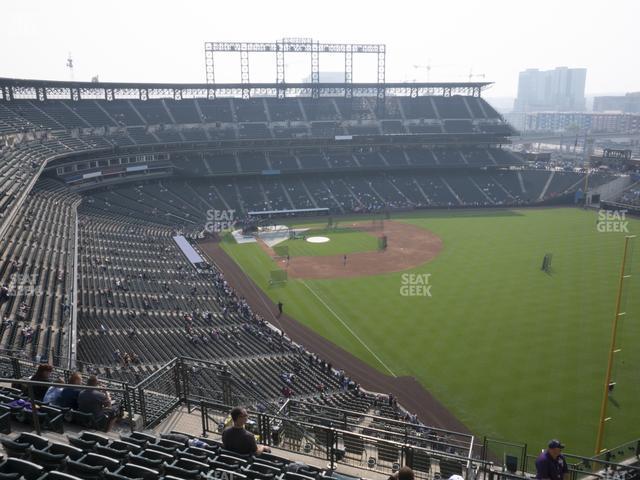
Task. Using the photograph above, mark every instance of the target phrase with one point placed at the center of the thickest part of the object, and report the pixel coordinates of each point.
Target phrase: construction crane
(473, 75)
(70, 66)
(428, 68)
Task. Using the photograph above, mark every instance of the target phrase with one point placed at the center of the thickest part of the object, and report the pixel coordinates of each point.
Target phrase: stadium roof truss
(16, 89)
(294, 45)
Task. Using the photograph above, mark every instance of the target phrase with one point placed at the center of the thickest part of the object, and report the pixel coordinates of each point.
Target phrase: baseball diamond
(311, 281)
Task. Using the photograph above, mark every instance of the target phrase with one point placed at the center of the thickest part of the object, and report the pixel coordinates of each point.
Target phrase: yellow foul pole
(614, 329)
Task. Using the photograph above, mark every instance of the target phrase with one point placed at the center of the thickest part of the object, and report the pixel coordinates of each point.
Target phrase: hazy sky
(162, 41)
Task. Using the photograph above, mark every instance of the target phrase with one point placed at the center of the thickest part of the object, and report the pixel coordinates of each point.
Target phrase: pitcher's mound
(318, 239)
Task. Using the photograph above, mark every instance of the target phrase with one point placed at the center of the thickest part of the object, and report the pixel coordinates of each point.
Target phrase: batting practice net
(278, 277)
(281, 251)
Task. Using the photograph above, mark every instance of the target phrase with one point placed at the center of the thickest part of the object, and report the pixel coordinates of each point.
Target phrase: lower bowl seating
(150, 458)
(92, 466)
(20, 447)
(130, 471)
(17, 468)
(186, 468)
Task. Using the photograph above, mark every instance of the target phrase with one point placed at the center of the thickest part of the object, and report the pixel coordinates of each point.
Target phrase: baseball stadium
(371, 270)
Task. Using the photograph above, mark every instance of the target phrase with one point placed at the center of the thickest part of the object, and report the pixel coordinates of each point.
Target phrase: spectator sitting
(69, 396)
(239, 440)
(98, 403)
(53, 393)
(41, 375)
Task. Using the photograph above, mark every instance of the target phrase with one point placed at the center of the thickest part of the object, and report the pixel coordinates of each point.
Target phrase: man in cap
(551, 465)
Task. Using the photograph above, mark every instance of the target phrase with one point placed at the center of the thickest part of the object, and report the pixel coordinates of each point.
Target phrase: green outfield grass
(513, 352)
(342, 241)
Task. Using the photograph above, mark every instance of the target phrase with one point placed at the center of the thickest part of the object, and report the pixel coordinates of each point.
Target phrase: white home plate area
(318, 239)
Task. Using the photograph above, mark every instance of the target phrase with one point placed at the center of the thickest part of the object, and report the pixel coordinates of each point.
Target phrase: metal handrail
(145, 381)
(138, 395)
(383, 419)
(589, 463)
(334, 433)
(283, 407)
(602, 462)
(221, 365)
(406, 434)
(61, 385)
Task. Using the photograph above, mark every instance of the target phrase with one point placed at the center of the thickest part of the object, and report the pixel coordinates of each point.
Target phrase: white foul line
(258, 293)
(348, 328)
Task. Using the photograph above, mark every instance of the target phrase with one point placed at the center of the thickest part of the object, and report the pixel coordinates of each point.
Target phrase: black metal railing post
(261, 421)
(176, 378)
(34, 412)
(204, 417)
(143, 407)
(260, 426)
(186, 392)
(134, 394)
(332, 448)
(484, 450)
(15, 366)
(408, 455)
(127, 405)
(267, 430)
(226, 388)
